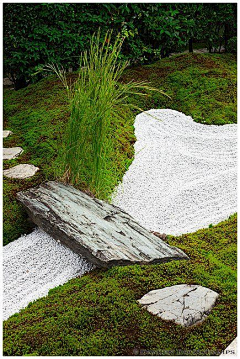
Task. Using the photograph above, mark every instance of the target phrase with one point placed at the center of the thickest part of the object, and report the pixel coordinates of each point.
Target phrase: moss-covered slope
(203, 86)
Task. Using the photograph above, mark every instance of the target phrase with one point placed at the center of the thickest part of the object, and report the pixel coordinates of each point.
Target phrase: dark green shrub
(232, 45)
(42, 33)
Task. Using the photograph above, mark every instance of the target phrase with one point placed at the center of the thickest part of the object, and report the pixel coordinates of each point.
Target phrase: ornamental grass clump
(99, 103)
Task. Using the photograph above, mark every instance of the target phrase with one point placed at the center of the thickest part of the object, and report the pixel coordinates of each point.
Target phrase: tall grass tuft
(99, 102)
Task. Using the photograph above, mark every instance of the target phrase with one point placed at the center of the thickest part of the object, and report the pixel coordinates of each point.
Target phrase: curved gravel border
(184, 174)
(32, 265)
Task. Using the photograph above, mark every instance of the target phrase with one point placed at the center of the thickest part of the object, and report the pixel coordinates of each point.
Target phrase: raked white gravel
(184, 174)
(32, 265)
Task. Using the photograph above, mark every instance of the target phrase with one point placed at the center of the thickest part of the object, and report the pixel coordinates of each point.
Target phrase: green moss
(36, 116)
(200, 85)
(97, 314)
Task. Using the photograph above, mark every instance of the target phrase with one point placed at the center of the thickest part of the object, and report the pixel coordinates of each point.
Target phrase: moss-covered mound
(97, 314)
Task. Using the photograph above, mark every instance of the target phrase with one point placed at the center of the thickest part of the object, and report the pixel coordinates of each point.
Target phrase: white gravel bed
(184, 174)
(32, 265)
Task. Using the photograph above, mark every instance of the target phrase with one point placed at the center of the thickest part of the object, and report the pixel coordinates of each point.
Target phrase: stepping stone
(7, 81)
(21, 171)
(11, 153)
(98, 231)
(7, 133)
(231, 349)
(183, 304)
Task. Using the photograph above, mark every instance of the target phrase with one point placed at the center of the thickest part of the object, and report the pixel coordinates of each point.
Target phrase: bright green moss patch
(200, 85)
(97, 314)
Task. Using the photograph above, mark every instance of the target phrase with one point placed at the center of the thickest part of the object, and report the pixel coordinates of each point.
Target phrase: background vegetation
(36, 34)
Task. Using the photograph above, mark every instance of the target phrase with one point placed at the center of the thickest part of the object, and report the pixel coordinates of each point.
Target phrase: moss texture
(203, 86)
(97, 314)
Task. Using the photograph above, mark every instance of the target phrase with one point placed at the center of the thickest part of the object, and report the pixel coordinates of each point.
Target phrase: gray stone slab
(99, 231)
(21, 171)
(7, 133)
(11, 153)
(183, 304)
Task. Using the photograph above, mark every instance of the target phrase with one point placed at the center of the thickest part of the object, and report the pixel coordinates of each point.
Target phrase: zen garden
(119, 179)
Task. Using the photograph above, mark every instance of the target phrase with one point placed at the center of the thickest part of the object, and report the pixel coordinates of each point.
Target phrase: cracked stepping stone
(21, 171)
(183, 304)
(11, 153)
(7, 133)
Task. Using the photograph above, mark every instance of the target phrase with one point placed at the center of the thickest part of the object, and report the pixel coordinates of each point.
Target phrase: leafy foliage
(97, 314)
(42, 33)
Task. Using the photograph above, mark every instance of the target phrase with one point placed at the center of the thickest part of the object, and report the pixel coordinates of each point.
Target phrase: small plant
(99, 103)
(210, 225)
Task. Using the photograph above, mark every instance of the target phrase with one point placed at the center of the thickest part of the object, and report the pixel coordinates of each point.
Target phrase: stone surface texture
(21, 171)
(183, 176)
(99, 231)
(183, 304)
(11, 153)
(7, 82)
(6, 133)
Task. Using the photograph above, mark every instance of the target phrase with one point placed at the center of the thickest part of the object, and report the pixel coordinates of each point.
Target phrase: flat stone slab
(11, 153)
(183, 304)
(7, 133)
(21, 171)
(98, 231)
